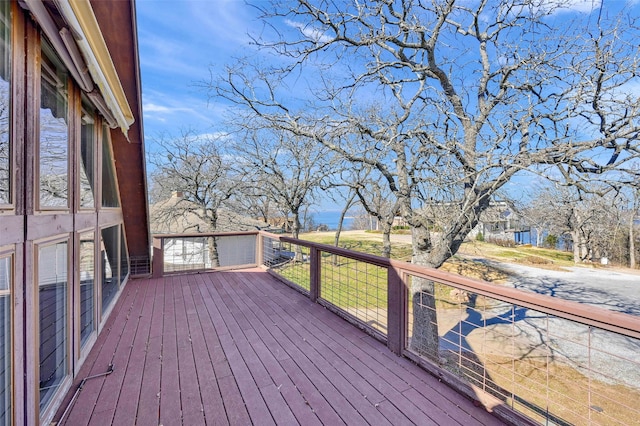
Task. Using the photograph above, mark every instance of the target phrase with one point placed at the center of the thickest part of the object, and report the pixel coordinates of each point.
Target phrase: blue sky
(178, 41)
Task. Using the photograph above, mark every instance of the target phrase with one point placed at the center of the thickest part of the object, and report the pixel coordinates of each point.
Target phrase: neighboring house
(501, 222)
(398, 221)
(73, 213)
(177, 215)
(165, 220)
(281, 223)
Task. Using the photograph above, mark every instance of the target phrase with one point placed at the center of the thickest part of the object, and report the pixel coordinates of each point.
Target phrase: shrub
(536, 260)
(502, 242)
(551, 241)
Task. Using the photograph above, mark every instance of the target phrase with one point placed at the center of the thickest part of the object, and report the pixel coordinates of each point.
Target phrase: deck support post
(314, 279)
(396, 311)
(259, 249)
(158, 257)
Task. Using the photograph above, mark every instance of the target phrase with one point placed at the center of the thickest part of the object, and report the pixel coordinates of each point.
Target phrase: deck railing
(529, 357)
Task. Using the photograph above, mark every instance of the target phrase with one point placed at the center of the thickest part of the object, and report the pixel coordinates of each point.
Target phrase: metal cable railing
(527, 357)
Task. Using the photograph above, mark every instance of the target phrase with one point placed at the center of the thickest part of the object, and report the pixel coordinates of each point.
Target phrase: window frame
(82, 349)
(96, 145)
(107, 144)
(46, 413)
(70, 112)
(105, 311)
(13, 70)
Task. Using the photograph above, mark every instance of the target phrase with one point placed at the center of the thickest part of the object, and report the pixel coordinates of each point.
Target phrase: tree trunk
(539, 235)
(295, 233)
(343, 213)
(425, 339)
(213, 252)
(632, 243)
(386, 241)
(581, 249)
(295, 226)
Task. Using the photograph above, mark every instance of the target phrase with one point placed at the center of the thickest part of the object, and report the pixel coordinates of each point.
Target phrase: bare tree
(254, 202)
(349, 202)
(379, 203)
(593, 219)
(286, 169)
(195, 168)
(633, 215)
(450, 99)
(470, 95)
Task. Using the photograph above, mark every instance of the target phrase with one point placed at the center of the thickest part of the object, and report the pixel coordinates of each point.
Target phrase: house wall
(63, 252)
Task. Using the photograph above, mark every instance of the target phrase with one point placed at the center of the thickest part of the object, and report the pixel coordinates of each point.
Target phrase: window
(87, 157)
(53, 316)
(54, 133)
(109, 189)
(110, 272)
(5, 103)
(87, 286)
(6, 275)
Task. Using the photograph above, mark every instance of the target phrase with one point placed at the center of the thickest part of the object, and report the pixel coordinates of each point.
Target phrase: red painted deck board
(242, 348)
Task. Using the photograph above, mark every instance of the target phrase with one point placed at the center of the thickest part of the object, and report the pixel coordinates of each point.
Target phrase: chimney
(177, 194)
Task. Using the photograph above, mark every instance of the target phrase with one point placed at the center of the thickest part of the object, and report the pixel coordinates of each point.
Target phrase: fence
(529, 357)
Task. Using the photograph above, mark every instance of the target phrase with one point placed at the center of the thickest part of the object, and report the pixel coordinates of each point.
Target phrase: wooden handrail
(595, 316)
(617, 322)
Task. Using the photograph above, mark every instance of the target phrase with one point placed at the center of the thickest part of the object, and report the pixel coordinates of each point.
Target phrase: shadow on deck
(242, 348)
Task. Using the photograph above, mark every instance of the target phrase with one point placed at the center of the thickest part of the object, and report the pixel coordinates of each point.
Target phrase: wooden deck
(242, 348)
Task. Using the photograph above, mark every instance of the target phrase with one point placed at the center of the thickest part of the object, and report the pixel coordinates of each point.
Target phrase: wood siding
(37, 323)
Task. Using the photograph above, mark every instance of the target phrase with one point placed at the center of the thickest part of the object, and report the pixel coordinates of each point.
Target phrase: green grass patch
(363, 245)
(346, 283)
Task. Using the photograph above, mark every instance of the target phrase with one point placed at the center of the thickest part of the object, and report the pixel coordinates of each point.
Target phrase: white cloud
(580, 6)
(313, 33)
(149, 107)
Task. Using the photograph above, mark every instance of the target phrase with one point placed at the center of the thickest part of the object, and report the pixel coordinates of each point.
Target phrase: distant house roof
(164, 219)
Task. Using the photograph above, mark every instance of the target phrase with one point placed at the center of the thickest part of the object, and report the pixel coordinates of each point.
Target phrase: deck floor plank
(190, 397)
(226, 323)
(170, 410)
(384, 377)
(247, 369)
(242, 348)
(334, 368)
(315, 389)
(98, 361)
(210, 396)
(127, 407)
(235, 408)
(339, 370)
(149, 403)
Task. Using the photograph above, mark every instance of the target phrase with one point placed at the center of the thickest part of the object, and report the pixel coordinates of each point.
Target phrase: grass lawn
(372, 243)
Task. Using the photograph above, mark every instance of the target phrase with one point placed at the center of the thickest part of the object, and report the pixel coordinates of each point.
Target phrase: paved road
(607, 287)
(604, 355)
